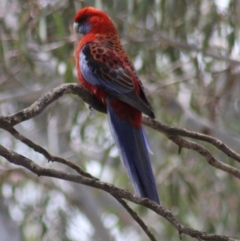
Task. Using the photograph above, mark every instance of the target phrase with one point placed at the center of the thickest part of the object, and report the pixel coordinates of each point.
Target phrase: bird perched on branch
(105, 70)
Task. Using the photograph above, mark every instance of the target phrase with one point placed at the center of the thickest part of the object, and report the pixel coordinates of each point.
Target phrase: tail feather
(133, 147)
(150, 151)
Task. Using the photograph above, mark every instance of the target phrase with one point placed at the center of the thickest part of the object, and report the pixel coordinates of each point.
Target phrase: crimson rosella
(105, 70)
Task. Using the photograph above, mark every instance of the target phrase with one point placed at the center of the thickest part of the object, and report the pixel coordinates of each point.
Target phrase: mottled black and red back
(104, 68)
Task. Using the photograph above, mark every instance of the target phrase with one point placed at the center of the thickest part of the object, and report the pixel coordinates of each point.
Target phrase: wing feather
(106, 71)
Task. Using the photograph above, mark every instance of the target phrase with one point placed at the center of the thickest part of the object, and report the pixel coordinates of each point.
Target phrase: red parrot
(105, 70)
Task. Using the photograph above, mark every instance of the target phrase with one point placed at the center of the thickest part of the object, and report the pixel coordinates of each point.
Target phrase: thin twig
(211, 52)
(136, 218)
(46, 154)
(174, 131)
(206, 154)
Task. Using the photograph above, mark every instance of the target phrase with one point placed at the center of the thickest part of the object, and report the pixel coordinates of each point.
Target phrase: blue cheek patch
(84, 28)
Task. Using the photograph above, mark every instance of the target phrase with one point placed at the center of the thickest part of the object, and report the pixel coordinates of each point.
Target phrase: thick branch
(37, 107)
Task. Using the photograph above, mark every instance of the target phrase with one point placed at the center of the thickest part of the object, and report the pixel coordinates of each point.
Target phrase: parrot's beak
(76, 27)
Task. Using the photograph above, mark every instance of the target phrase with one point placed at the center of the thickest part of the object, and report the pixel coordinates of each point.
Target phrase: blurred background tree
(187, 55)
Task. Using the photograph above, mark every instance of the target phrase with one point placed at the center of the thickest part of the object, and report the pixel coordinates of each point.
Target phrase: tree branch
(23, 161)
(136, 218)
(38, 106)
(46, 154)
(211, 52)
(162, 38)
(173, 131)
(8, 122)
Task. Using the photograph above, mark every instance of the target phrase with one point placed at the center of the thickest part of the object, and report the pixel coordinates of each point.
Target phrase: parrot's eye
(83, 18)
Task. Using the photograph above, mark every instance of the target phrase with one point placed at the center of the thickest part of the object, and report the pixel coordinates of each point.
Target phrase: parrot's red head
(90, 20)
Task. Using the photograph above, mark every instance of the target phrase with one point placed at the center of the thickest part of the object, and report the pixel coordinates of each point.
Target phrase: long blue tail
(132, 145)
